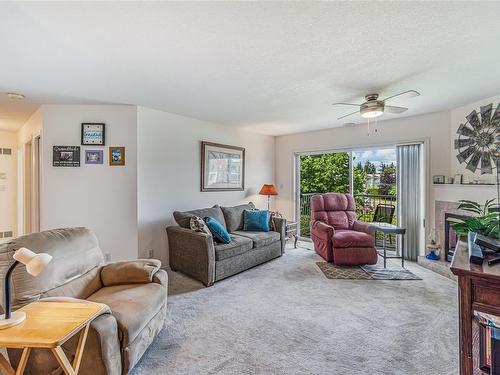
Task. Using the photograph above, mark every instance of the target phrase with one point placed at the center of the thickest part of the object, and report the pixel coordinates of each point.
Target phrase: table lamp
(35, 264)
(268, 189)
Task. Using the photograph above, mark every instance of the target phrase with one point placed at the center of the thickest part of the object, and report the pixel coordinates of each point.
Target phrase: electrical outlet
(150, 253)
(107, 257)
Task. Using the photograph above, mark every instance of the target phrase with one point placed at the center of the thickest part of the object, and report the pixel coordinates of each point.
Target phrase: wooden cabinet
(478, 290)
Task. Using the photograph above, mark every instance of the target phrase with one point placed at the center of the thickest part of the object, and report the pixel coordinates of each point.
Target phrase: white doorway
(31, 186)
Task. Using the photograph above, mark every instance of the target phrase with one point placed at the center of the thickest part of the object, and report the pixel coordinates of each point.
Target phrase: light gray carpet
(286, 317)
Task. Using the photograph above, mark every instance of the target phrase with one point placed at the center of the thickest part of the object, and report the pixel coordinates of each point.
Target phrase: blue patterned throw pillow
(218, 231)
(256, 221)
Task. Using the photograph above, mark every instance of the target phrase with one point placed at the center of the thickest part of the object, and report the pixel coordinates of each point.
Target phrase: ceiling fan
(373, 107)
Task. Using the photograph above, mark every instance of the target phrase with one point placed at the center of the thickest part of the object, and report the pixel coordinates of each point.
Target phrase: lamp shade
(35, 263)
(268, 189)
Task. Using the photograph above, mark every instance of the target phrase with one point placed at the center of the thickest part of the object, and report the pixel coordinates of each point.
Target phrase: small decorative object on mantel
(438, 179)
(478, 140)
(93, 134)
(222, 167)
(93, 156)
(116, 156)
(457, 179)
(66, 156)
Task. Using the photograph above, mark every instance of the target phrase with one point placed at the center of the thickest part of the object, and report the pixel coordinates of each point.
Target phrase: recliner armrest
(361, 226)
(138, 271)
(322, 230)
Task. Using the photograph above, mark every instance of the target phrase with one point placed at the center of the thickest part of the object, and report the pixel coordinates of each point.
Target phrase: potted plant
(486, 222)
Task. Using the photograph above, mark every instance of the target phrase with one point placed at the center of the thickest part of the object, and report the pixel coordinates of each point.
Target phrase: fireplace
(450, 236)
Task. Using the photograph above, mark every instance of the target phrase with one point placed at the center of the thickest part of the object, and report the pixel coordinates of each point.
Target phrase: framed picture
(117, 156)
(93, 134)
(66, 156)
(94, 156)
(438, 179)
(222, 167)
(457, 179)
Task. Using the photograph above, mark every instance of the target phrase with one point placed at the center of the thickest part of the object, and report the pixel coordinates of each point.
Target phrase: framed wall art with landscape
(222, 167)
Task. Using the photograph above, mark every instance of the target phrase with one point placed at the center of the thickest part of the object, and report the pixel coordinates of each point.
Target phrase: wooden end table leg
(79, 349)
(7, 369)
(5, 366)
(23, 361)
(67, 367)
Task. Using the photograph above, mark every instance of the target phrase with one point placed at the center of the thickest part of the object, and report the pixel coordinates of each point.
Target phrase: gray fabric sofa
(197, 255)
(135, 291)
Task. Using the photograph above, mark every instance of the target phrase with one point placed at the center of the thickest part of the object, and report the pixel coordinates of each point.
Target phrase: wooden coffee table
(48, 325)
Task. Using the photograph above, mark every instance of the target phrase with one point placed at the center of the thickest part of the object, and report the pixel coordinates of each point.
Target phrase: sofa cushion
(350, 238)
(260, 239)
(184, 218)
(237, 246)
(132, 305)
(234, 216)
(256, 221)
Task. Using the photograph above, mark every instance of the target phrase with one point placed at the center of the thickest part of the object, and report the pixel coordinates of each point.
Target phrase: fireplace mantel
(456, 192)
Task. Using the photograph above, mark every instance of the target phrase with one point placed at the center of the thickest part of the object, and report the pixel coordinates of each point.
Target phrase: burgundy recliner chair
(336, 233)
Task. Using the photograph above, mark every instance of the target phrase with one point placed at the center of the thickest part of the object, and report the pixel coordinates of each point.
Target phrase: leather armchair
(337, 236)
(135, 292)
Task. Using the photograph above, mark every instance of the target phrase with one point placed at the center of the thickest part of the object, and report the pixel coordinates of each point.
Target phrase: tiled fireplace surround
(442, 208)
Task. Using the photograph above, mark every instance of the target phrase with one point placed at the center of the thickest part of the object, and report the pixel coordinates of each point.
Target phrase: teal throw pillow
(256, 221)
(218, 231)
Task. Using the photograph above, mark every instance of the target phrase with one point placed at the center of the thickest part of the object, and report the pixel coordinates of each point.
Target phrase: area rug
(375, 272)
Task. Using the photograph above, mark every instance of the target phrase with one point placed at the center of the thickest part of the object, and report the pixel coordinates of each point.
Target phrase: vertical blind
(409, 196)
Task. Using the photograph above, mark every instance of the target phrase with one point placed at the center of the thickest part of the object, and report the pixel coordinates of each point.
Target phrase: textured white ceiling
(271, 67)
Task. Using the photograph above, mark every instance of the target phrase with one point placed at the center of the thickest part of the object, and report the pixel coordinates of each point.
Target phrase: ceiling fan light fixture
(372, 108)
(372, 113)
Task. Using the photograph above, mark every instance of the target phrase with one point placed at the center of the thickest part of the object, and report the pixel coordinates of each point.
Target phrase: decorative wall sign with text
(66, 156)
(479, 140)
(93, 134)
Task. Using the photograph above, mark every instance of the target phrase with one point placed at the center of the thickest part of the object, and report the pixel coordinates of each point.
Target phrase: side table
(48, 325)
(387, 229)
(291, 231)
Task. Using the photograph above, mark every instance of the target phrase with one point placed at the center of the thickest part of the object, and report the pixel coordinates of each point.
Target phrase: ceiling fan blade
(350, 114)
(394, 109)
(407, 94)
(356, 105)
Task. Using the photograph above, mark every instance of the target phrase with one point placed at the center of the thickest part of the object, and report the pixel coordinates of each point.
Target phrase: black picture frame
(101, 127)
(65, 156)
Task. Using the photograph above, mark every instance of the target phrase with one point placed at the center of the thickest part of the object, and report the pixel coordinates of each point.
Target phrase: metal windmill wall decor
(479, 140)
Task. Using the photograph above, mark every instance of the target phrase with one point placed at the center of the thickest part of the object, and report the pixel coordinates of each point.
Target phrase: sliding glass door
(368, 174)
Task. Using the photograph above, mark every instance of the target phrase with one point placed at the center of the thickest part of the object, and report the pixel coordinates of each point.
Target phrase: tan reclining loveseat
(135, 291)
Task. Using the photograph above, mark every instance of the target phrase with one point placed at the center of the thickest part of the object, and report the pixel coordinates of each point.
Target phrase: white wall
(169, 171)
(100, 197)
(458, 117)
(434, 127)
(8, 184)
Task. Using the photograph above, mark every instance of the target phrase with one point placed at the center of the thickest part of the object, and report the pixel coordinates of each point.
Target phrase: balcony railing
(366, 206)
